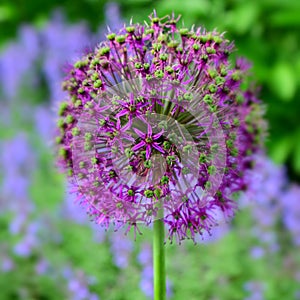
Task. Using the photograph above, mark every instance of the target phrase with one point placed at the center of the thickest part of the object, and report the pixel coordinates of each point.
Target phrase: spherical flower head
(157, 121)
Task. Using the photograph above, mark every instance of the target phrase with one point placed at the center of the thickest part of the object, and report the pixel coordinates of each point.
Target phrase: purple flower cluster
(121, 248)
(78, 285)
(274, 203)
(156, 116)
(255, 289)
(291, 212)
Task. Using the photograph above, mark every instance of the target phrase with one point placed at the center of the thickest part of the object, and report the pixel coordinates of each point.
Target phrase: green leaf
(283, 81)
(281, 149)
(243, 17)
(296, 158)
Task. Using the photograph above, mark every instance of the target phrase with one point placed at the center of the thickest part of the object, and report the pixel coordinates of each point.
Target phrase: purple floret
(157, 117)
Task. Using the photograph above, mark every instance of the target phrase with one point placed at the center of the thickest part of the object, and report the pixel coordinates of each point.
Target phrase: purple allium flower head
(156, 117)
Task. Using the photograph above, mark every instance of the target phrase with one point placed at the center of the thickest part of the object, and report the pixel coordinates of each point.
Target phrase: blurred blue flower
(291, 212)
(121, 248)
(255, 289)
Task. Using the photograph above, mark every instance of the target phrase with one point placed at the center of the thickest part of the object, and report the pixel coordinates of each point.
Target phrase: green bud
(196, 47)
(130, 193)
(159, 74)
(75, 131)
(96, 183)
(165, 180)
(114, 149)
(112, 174)
(95, 76)
(128, 152)
(184, 198)
(204, 57)
(203, 38)
(187, 148)
(69, 119)
(202, 158)
(148, 77)
(156, 46)
(211, 170)
(95, 61)
(169, 69)
(138, 65)
(60, 123)
(80, 90)
(88, 136)
(62, 152)
(188, 96)
(185, 170)
(236, 122)
(170, 159)
(236, 76)
(111, 36)
(129, 168)
(102, 122)
(217, 39)
(149, 31)
(94, 160)
(62, 108)
(173, 44)
(82, 164)
(148, 193)
(163, 56)
(148, 164)
(207, 184)
(208, 99)
(229, 143)
(213, 108)
(87, 146)
(77, 103)
(97, 83)
(120, 39)
(214, 147)
(240, 99)
(130, 29)
(212, 88)
(79, 64)
(220, 80)
(166, 145)
(162, 38)
(234, 152)
(58, 140)
(157, 192)
(212, 73)
(223, 71)
(184, 31)
(119, 204)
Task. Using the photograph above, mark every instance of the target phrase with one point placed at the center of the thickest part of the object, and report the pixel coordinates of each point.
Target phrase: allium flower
(157, 118)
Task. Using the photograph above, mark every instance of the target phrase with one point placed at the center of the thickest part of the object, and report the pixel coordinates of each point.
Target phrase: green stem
(159, 270)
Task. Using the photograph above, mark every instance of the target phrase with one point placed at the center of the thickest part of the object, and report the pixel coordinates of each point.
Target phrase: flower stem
(159, 270)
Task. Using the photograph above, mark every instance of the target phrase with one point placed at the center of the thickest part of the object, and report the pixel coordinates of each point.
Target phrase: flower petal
(158, 148)
(158, 135)
(138, 146)
(148, 151)
(139, 133)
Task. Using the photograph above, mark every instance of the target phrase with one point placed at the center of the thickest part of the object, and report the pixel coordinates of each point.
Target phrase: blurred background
(48, 247)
